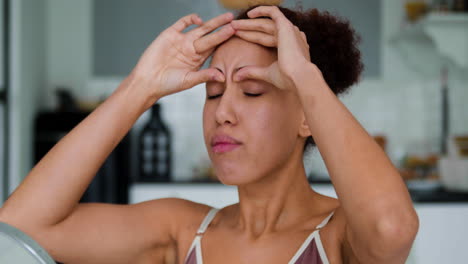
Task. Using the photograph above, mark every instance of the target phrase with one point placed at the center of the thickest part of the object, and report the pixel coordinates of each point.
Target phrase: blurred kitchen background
(61, 58)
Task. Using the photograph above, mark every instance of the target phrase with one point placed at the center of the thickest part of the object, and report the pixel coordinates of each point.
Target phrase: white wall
(50, 47)
(69, 46)
(27, 81)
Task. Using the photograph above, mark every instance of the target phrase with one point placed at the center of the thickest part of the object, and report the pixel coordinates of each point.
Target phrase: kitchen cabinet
(434, 40)
(441, 238)
(450, 35)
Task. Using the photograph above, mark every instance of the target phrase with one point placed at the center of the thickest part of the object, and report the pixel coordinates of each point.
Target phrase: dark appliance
(110, 185)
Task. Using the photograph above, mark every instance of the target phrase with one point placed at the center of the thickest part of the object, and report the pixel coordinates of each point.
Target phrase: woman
(265, 99)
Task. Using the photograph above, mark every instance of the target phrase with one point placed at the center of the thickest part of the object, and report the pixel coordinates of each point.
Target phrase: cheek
(273, 127)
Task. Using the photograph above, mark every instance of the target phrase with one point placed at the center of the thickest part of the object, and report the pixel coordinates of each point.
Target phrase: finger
(252, 72)
(282, 24)
(187, 21)
(304, 45)
(257, 37)
(213, 24)
(202, 76)
(210, 41)
(269, 11)
(304, 37)
(208, 53)
(301, 36)
(260, 24)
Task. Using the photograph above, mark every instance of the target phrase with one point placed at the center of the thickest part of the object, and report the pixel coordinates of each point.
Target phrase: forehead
(238, 52)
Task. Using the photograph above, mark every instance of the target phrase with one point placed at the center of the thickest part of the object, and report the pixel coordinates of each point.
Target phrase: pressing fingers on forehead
(260, 24)
(209, 42)
(212, 24)
(269, 11)
(257, 37)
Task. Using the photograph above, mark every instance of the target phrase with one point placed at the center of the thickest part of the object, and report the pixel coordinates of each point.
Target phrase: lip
(222, 143)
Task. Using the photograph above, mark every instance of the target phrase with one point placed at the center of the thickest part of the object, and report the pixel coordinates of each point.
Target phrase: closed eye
(214, 96)
(252, 94)
(219, 95)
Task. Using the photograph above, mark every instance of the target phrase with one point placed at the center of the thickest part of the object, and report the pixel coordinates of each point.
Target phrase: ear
(304, 130)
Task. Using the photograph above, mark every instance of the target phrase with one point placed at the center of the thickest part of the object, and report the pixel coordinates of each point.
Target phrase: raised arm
(45, 205)
(381, 222)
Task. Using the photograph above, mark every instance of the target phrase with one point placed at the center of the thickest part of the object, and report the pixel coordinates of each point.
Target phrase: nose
(226, 110)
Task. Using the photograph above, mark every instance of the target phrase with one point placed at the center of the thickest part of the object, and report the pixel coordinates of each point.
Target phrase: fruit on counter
(413, 161)
(417, 167)
(411, 174)
(432, 159)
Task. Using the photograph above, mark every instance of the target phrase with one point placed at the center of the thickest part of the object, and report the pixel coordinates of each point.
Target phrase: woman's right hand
(172, 61)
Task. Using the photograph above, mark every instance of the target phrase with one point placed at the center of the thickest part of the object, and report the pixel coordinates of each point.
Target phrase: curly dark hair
(333, 47)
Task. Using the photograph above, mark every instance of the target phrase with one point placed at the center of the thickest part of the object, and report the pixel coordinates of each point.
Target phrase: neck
(277, 201)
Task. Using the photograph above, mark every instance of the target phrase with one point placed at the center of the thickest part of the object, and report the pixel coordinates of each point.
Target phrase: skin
(374, 220)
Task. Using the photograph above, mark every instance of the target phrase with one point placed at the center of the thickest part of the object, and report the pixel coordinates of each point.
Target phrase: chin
(229, 177)
(231, 181)
(234, 169)
(233, 176)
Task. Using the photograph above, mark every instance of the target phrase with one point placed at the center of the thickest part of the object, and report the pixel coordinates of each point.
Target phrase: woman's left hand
(278, 32)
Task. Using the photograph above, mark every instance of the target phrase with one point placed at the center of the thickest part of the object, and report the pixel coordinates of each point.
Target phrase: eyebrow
(235, 70)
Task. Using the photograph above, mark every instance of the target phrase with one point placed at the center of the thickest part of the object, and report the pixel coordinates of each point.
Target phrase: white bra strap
(325, 221)
(206, 222)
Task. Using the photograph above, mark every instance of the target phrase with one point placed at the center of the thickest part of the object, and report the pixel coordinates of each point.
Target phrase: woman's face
(251, 128)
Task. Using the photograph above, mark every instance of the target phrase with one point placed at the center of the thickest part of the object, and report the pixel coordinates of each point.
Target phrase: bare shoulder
(178, 214)
(174, 206)
(180, 218)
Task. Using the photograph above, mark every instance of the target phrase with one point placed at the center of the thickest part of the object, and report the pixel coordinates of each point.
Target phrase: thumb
(253, 72)
(201, 76)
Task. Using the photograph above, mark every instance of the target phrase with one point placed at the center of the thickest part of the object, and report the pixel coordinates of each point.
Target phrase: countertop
(437, 195)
